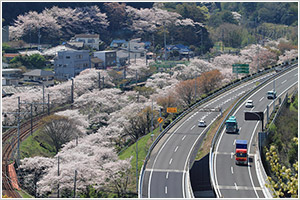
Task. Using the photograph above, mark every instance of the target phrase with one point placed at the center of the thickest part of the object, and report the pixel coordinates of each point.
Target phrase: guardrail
(188, 111)
(216, 136)
(258, 159)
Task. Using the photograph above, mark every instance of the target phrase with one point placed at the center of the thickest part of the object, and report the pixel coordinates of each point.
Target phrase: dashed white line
(261, 98)
(176, 149)
(231, 155)
(193, 127)
(167, 175)
(233, 142)
(283, 82)
(170, 161)
(183, 137)
(166, 190)
(235, 186)
(232, 170)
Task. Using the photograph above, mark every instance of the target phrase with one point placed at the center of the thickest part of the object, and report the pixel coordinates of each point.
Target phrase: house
(91, 40)
(5, 65)
(11, 76)
(97, 63)
(10, 56)
(109, 58)
(117, 43)
(5, 34)
(39, 76)
(69, 63)
(184, 51)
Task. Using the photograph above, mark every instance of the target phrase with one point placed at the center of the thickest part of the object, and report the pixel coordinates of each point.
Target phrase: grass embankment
(35, 146)
(283, 132)
(143, 147)
(24, 194)
(206, 144)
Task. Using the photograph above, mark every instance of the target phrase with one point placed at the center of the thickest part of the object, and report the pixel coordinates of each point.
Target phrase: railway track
(9, 144)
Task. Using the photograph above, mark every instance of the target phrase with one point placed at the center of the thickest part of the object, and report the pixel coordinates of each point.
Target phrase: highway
(166, 170)
(237, 181)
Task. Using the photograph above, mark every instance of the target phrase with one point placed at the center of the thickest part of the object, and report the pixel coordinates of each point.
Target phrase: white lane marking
(176, 149)
(170, 161)
(252, 108)
(166, 190)
(231, 155)
(233, 142)
(218, 142)
(167, 175)
(232, 170)
(183, 137)
(283, 82)
(193, 127)
(235, 186)
(261, 98)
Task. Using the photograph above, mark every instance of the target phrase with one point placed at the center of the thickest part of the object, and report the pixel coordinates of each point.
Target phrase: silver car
(202, 123)
(249, 104)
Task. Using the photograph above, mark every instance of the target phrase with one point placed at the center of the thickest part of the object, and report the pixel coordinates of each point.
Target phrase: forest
(234, 24)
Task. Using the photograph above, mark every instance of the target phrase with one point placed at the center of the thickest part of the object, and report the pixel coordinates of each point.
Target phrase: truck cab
(231, 125)
(241, 154)
(271, 94)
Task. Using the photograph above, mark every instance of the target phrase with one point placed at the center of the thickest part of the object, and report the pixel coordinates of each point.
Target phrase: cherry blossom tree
(32, 171)
(59, 22)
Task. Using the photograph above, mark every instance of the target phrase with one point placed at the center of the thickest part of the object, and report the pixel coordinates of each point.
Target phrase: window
(67, 57)
(79, 56)
(65, 66)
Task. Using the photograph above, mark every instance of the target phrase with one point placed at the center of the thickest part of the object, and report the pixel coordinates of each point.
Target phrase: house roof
(39, 72)
(54, 50)
(96, 60)
(87, 36)
(11, 55)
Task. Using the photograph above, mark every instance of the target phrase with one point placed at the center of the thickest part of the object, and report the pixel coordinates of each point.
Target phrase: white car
(202, 123)
(249, 103)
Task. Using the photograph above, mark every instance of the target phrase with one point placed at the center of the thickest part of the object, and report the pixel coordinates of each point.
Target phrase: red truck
(241, 154)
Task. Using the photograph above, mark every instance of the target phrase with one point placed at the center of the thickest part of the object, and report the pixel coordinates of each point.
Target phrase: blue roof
(241, 141)
(117, 42)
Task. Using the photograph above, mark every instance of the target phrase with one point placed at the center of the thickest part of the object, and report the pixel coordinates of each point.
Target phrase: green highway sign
(240, 68)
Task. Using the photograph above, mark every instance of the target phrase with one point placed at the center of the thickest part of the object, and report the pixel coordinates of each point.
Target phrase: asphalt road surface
(237, 181)
(165, 173)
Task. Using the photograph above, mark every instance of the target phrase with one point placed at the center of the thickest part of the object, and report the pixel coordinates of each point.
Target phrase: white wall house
(91, 40)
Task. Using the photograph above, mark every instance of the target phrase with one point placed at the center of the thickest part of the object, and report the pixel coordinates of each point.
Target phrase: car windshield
(241, 155)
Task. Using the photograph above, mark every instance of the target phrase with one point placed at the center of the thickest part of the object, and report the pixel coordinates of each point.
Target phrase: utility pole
(165, 42)
(102, 81)
(58, 176)
(48, 104)
(43, 98)
(195, 87)
(19, 110)
(72, 91)
(152, 122)
(137, 171)
(39, 39)
(129, 52)
(74, 195)
(99, 81)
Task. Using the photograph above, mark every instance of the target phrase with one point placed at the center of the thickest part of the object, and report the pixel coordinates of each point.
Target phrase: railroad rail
(9, 143)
